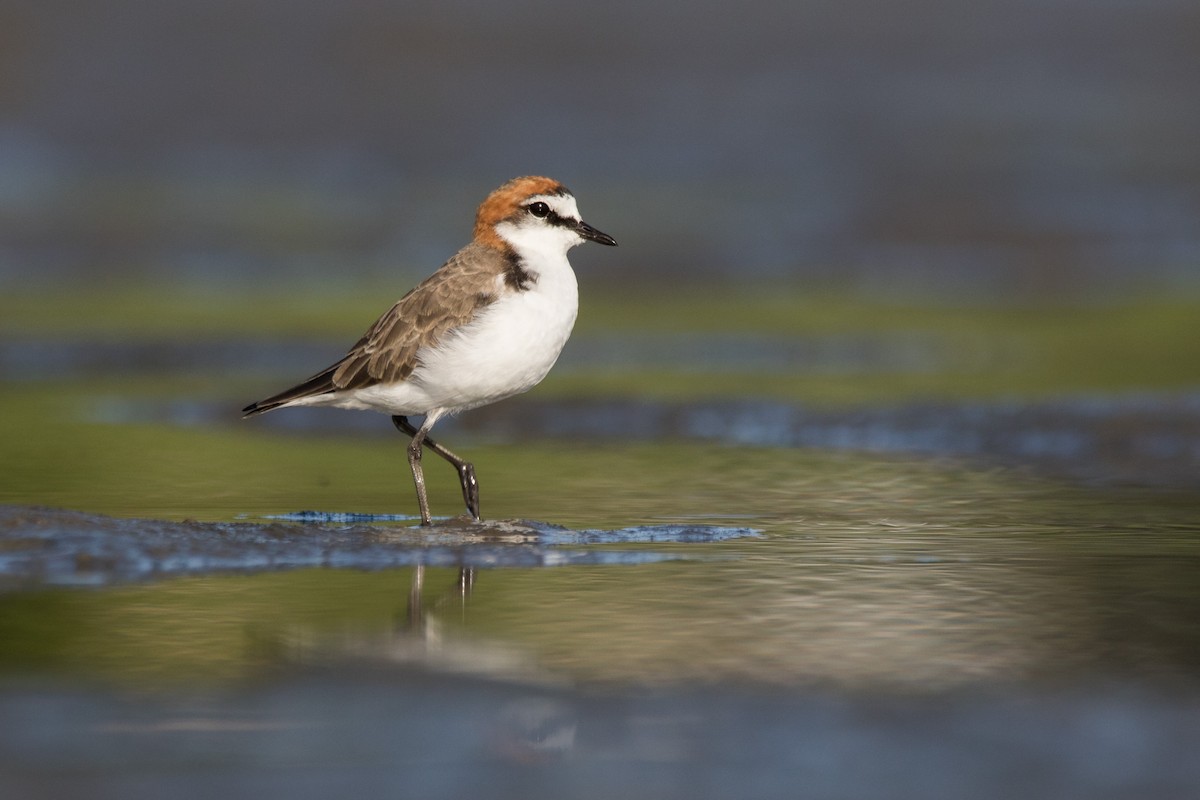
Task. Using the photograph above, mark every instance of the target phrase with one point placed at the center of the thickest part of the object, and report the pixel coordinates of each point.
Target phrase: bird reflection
(416, 613)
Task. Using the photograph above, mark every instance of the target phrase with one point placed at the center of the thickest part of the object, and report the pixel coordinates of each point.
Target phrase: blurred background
(837, 205)
(910, 289)
(992, 149)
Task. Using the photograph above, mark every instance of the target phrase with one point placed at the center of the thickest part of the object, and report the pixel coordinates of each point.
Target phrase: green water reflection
(872, 573)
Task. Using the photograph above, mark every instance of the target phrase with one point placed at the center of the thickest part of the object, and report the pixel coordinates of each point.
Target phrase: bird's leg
(466, 476)
(465, 469)
(414, 463)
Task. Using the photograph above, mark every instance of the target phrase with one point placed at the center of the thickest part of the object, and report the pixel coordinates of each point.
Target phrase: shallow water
(933, 627)
(762, 566)
(696, 595)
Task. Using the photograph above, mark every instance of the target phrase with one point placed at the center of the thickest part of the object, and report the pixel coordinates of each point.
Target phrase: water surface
(869, 572)
(904, 577)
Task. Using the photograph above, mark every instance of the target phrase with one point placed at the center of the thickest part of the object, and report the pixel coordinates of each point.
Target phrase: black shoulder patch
(516, 276)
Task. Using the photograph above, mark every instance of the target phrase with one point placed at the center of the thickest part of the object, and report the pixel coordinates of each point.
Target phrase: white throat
(539, 248)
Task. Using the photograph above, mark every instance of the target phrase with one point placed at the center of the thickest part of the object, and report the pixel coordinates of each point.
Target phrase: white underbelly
(507, 349)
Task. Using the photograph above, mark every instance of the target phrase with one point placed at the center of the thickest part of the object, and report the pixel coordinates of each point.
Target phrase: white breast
(507, 349)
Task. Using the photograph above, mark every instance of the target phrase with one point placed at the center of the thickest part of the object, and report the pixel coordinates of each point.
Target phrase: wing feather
(389, 350)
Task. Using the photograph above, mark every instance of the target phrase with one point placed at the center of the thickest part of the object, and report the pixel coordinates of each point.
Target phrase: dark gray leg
(465, 469)
(414, 463)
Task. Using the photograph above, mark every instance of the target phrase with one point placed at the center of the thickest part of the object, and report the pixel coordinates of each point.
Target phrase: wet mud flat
(71, 548)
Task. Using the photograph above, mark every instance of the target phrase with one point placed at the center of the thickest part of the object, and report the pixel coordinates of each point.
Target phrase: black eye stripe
(543, 211)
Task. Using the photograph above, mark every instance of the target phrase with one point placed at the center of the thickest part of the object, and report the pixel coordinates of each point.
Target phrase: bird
(488, 324)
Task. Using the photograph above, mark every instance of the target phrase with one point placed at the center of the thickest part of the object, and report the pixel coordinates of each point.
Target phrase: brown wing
(387, 352)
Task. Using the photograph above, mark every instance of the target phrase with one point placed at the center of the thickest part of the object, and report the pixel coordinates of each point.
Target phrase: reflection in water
(870, 573)
(430, 632)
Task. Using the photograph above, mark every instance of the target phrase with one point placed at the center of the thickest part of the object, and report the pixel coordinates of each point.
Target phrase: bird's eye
(539, 209)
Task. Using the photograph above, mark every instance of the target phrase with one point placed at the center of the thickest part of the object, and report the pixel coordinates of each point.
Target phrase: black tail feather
(321, 383)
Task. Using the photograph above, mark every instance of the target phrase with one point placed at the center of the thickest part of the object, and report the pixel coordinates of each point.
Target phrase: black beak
(593, 235)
